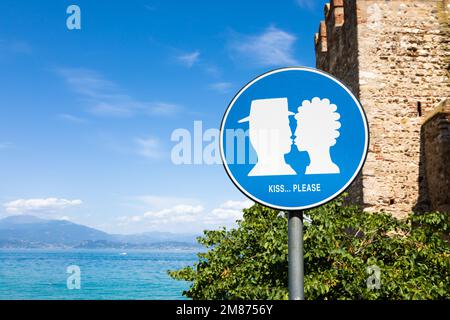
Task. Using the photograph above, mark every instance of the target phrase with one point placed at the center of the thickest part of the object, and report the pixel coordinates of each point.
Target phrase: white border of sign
(363, 158)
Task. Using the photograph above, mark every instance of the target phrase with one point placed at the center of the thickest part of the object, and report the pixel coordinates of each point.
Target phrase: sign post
(293, 139)
(295, 255)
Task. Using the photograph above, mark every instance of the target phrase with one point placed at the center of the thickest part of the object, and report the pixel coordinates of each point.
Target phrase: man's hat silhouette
(268, 109)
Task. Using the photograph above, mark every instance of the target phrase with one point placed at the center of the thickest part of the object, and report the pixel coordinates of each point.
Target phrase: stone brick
(395, 57)
(435, 135)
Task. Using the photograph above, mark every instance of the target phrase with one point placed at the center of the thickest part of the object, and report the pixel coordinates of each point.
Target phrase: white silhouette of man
(317, 130)
(270, 136)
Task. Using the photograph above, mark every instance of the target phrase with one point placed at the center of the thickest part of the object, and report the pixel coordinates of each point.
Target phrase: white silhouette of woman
(317, 130)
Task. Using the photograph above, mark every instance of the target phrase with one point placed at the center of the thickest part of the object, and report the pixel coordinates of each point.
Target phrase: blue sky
(86, 115)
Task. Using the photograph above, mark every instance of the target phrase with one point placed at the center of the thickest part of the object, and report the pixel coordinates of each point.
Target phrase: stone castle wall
(395, 56)
(435, 155)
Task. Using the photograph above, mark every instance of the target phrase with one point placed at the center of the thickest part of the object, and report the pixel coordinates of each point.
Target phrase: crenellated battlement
(334, 13)
(334, 18)
(321, 45)
(335, 37)
(321, 38)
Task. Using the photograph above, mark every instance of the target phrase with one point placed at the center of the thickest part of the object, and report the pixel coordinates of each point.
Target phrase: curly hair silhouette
(316, 133)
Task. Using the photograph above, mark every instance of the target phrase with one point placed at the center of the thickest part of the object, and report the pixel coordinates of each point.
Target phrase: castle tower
(395, 57)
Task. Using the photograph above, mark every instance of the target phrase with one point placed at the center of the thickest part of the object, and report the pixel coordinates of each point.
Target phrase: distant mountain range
(25, 231)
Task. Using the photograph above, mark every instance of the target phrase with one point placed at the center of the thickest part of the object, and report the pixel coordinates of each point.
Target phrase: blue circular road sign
(294, 138)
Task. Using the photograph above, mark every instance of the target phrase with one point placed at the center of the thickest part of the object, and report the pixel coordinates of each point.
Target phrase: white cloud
(163, 109)
(237, 205)
(71, 118)
(221, 87)
(273, 47)
(213, 71)
(177, 214)
(229, 211)
(39, 205)
(181, 209)
(149, 147)
(189, 59)
(183, 214)
(221, 214)
(106, 98)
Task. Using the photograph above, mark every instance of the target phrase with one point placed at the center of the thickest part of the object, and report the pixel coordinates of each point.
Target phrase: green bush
(341, 243)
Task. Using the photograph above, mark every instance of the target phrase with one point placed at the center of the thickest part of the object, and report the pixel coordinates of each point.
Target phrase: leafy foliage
(250, 262)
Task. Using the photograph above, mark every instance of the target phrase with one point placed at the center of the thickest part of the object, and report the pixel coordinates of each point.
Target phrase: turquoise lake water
(105, 274)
